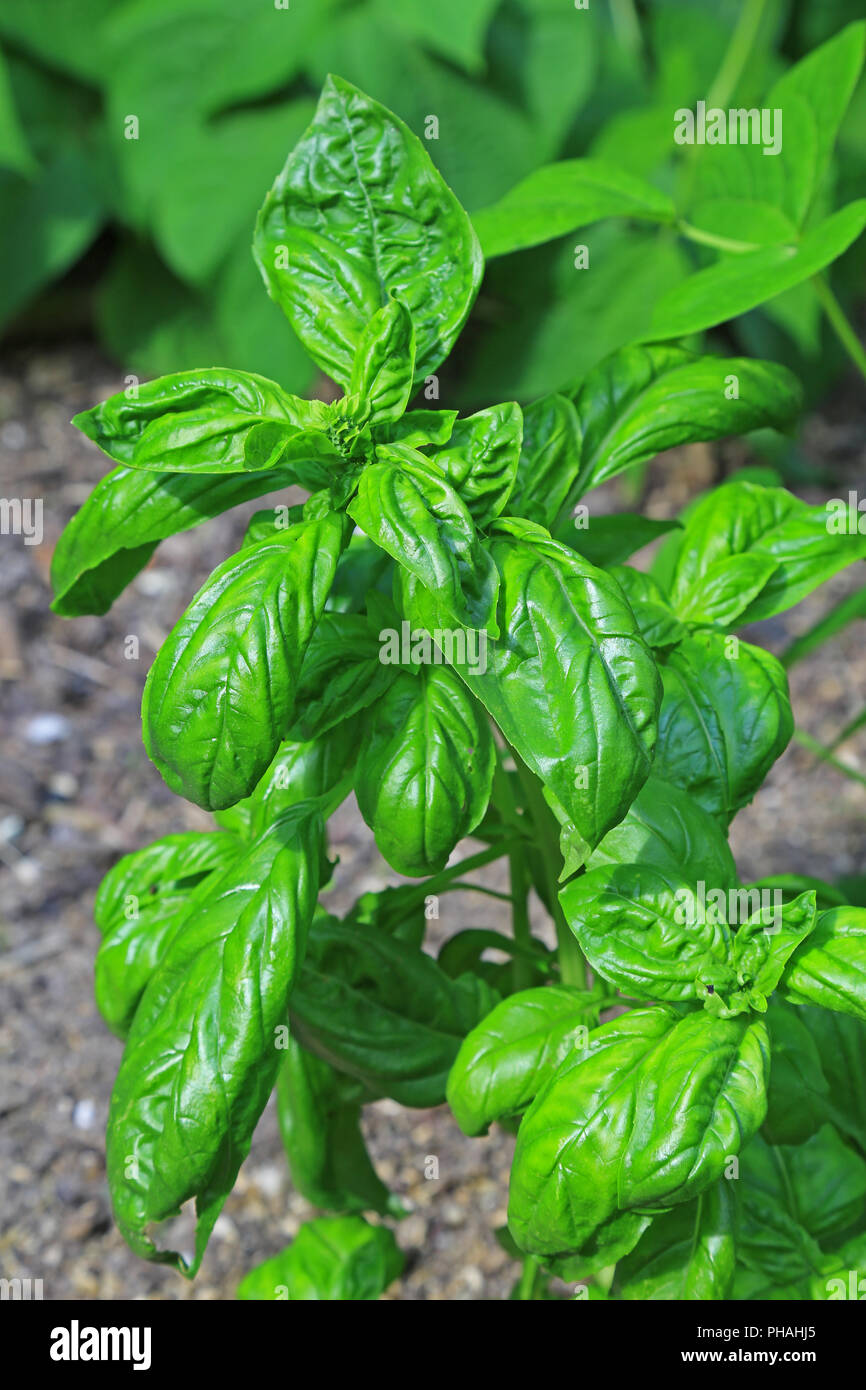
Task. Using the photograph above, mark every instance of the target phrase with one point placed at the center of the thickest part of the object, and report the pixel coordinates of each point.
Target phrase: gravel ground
(76, 791)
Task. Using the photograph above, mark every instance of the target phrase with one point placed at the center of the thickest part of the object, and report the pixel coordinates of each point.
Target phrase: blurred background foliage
(147, 239)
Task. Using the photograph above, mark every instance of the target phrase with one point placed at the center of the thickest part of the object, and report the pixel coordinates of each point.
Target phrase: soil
(77, 791)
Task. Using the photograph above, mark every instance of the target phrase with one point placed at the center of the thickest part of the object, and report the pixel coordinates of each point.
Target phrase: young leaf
(332, 1259)
(559, 198)
(642, 400)
(744, 522)
(549, 458)
(342, 674)
(209, 421)
(505, 1061)
(383, 365)
(419, 429)
(241, 642)
(408, 508)
(425, 769)
(659, 625)
(299, 772)
(139, 906)
(829, 967)
(687, 1254)
(201, 1059)
(382, 1011)
(724, 720)
(112, 537)
(358, 214)
(480, 460)
(319, 1115)
(637, 927)
(764, 944)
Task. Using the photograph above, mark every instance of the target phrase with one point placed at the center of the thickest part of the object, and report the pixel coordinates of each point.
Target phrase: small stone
(225, 1228)
(152, 583)
(28, 872)
(269, 1179)
(84, 1114)
(10, 827)
(13, 435)
(47, 728)
(63, 785)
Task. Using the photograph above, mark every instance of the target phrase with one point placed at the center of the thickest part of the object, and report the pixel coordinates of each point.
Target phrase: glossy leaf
(140, 904)
(382, 368)
(505, 1061)
(221, 690)
(425, 769)
(764, 944)
(208, 421)
(665, 828)
(332, 1259)
(359, 213)
(829, 967)
(659, 625)
(687, 1254)
(299, 772)
(202, 1059)
(408, 508)
(341, 675)
(382, 1011)
(559, 198)
(723, 722)
(480, 460)
(549, 458)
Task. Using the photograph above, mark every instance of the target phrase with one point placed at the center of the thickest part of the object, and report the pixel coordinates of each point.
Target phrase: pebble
(84, 1114)
(10, 827)
(47, 728)
(63, 785)
(269, 1179)
(13, 435)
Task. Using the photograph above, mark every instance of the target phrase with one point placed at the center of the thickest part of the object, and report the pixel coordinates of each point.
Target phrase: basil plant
(446, 629)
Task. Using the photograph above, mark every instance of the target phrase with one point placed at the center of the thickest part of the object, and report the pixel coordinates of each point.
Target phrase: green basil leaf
(841, 1043)
(659, 625)
(208, 421)
(549, 458)
(383, 365)
(829, 967)
(638, 927)
(764, 944)
(798, 1099)
(342, 674)
(425, 769)
(726, 589)
(610, 540)
(344, 228)
(700, 1097)
(241, 642)
(382, 1011)
(409, 509)
(666, 828)
(332, 1259)
(319, 1117)
(419, 429)
(571, 683)
(559, 198)
(480, 461)
(202, 1059)
(299, 772)
(571, 1140)
(744, 522)
(112, 537)
(725, 719)
(739, 283)
(642, 400)
(138, 907)
(687, 1254)
(504, 1062)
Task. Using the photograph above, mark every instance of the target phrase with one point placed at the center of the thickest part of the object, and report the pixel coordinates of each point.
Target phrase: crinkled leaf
(666, 828)
(341, 675)
(382, 368)
(332, 1259)
(549, 458)
(829, 967)
(480, 460)
(659, 625)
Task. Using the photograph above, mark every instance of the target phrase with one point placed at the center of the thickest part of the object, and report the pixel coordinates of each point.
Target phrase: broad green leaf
(739, 283)
(699, 1099)
(340, 232)
(659, 625)
(319, 1114)
(610, 540)
(112, 537)
(639, 928)
(220, 693)
(725, 589)
(201, 1059)
(382, 368)
(643, 400)
(138, 907)
(549, 54)
(455, 28)
(505, 1061)
(559, 198)
(209, 421)
(829, 967)
(15, 151)
(425, 769)
(549, 458)
(764, 944)
(480, 459)
(570, 682)
(408, 508)
(341, 675)
(687, 1254)
(68, 43)
(666, 828)
(798, 1098)
(420, 429)
(841, 1043)
(299, 772)
(570, 1142)
(724, 720)
(744, 521)
(382, 1011)
(332, 1259)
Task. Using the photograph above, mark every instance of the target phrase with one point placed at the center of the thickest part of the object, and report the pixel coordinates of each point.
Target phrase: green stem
(735, 59)
(626, 24)
(572, 965)
(528, 1277)
(507, 805)
(813, 745)
(839, 323)
(719, 243)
